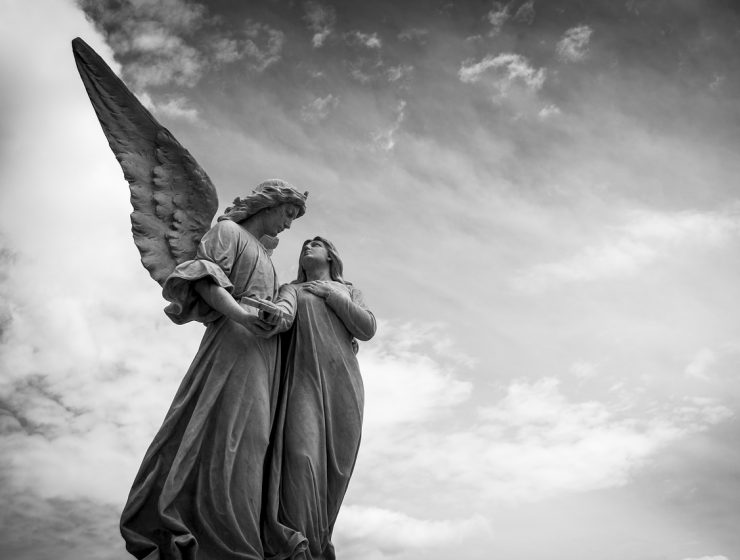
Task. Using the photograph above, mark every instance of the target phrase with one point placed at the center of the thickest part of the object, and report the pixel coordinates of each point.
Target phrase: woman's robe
(319, 423)
(198, 493)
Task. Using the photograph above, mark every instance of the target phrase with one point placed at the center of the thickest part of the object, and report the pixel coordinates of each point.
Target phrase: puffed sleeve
(214, 259)
(353, 312)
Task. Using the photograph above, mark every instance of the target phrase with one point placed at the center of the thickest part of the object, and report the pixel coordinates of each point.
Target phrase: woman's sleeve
(353, 312)
(214, 260)
(286, 300)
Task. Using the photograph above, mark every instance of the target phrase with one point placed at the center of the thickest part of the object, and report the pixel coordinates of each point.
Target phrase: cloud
(373, 532)
(263, 45)
(395, 73)
(583, 369)
(531, 444)
(386, 140)
(416, 34)
(369, 40)
(549, 111)
(319, 109)
(177, 108)
(155, 34)
(176, 42)
(573, 46)
(497, 17)
(700, 364)
(321, 19)
(628, 248)
(526, 13)
(507, 69)
(708, 558)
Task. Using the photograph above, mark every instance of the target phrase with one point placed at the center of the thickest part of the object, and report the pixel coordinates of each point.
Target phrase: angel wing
(174, 200)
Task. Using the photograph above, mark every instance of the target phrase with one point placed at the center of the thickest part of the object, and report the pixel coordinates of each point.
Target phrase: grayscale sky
(539, 200)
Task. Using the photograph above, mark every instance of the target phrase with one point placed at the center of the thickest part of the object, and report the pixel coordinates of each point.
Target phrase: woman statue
(198, 493)
(317, 432)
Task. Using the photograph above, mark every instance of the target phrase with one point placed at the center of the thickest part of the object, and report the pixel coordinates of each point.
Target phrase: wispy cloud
(497, 17)
(508, 66)
(701, 363)
(573, 46)
(318, 109)
(321, 19)
(707, 558)
(362, 529)
(625, 249)
(414, 34)
(395, 73)
(369, 40)
(386, 139)
(509, 76)
(263, 44)
(531, 444)
(549, 111)
(176, 42)
(526, 13)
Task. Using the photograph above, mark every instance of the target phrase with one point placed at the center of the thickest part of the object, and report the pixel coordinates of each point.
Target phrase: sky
(537, 198)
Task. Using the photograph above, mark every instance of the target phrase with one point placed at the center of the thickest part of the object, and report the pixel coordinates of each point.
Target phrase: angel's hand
(269, 318)
(254, 324)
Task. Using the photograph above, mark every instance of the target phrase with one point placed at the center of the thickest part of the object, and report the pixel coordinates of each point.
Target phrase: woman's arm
(351, 309)
(286, 302)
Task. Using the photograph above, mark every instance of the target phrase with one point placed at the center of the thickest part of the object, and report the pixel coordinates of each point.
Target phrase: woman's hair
(266, 195)
(336, 268)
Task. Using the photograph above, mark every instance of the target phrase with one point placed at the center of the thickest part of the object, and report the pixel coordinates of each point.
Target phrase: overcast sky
(539, 200)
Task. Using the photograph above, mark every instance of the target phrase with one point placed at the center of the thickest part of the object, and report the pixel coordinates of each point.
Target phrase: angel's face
(279, 218)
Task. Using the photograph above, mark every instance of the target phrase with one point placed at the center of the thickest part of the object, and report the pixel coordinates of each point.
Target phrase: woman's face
(314, 251)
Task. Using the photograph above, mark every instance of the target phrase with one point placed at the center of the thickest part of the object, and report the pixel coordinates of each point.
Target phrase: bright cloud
(701, 364)
(372, 532)
(177, 108)
(321, 19)
(263, 45)
(573, 46)
(369, 40)
(318, 109)
(625, 249)
(507, 69)
(386, 140)
(526, 13)
(414, 34)
(497, 17)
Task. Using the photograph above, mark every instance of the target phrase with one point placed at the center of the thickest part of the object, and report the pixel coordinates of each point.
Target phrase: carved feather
(174, 201)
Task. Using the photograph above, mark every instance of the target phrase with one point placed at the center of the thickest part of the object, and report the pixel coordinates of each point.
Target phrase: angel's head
(265, 196)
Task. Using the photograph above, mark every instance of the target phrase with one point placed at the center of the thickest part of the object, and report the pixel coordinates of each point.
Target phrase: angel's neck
(254, 226)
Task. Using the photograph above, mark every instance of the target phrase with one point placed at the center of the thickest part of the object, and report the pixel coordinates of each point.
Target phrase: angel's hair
(336, 268)
(266, 195)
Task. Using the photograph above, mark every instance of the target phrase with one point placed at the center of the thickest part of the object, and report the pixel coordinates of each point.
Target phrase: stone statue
(317, 433)
(256, 451)
(198, 493)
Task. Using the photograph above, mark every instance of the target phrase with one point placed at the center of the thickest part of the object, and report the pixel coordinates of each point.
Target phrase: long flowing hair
(266, 195)
(336, 267)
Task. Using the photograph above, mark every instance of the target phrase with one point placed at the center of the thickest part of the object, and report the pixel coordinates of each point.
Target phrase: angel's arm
(223, 302)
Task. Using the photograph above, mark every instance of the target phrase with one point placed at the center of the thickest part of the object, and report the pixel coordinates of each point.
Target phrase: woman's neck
(321, 273)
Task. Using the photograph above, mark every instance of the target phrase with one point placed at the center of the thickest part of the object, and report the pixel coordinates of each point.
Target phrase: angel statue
(199, 492)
